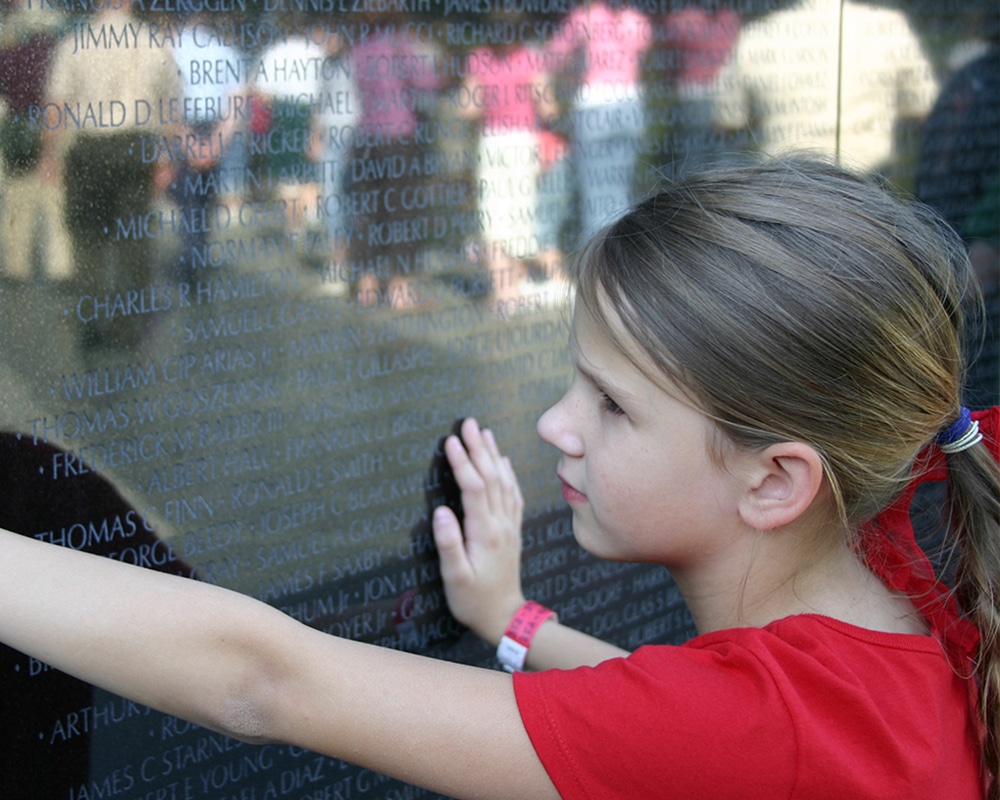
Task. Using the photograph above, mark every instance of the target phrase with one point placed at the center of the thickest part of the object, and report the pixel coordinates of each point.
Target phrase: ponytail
(973, 507)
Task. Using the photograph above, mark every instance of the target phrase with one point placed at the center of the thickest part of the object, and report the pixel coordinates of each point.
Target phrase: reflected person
(102, 105)
(603, 45)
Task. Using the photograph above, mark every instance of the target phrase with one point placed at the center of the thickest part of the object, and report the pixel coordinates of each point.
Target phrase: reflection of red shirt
(506, 82)
(806, 707)
(613, 42)
(391, 76)
(702, 41)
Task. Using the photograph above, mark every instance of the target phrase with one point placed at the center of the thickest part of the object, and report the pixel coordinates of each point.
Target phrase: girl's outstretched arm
(481, 569)
(235, 665)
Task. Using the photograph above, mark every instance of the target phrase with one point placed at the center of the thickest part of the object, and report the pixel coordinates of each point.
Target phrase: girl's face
(635, 465)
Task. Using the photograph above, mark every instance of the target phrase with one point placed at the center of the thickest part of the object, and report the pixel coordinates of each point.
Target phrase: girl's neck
(762, 589)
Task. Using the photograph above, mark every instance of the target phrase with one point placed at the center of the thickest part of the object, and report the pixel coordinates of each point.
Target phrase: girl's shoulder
(817, 642)
(805, 646)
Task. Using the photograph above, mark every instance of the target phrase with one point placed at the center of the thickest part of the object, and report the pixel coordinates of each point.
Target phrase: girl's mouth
(570, 494)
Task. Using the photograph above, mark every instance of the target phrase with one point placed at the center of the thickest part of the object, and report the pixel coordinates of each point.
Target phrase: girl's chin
(592, 541)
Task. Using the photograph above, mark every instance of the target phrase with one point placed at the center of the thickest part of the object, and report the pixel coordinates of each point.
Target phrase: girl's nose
(555, 428)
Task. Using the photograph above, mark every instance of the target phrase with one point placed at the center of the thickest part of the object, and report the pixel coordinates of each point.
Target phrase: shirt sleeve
(665, 722)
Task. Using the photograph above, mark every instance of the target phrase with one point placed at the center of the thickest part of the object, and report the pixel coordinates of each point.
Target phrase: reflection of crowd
(329, 123)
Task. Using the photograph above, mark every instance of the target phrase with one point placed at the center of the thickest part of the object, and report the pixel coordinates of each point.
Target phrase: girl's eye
(611, 406)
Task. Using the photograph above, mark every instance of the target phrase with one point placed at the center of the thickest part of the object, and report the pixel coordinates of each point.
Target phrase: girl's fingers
(483, 453)
(515, 501)
(475, 500)
(451, 547)
(490, 493)
(506, 482)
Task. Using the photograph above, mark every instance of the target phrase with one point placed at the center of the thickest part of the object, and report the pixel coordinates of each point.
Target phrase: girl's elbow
(244, 719)
(249, 705)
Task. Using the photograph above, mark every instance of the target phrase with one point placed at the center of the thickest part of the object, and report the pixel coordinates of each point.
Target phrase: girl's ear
(784, 480)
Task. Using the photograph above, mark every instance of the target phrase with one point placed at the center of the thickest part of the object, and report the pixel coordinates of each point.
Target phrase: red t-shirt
(806, 707)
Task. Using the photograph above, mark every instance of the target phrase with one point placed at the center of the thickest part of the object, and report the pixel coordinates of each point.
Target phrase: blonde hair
(795, 301)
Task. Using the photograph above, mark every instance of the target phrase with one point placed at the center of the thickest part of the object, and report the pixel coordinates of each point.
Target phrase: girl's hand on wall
(482, 568)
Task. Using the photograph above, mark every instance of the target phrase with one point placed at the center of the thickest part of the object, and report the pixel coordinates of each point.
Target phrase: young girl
(767, 362)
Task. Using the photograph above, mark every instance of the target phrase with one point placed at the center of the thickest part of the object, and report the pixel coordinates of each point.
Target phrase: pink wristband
(514, 644)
